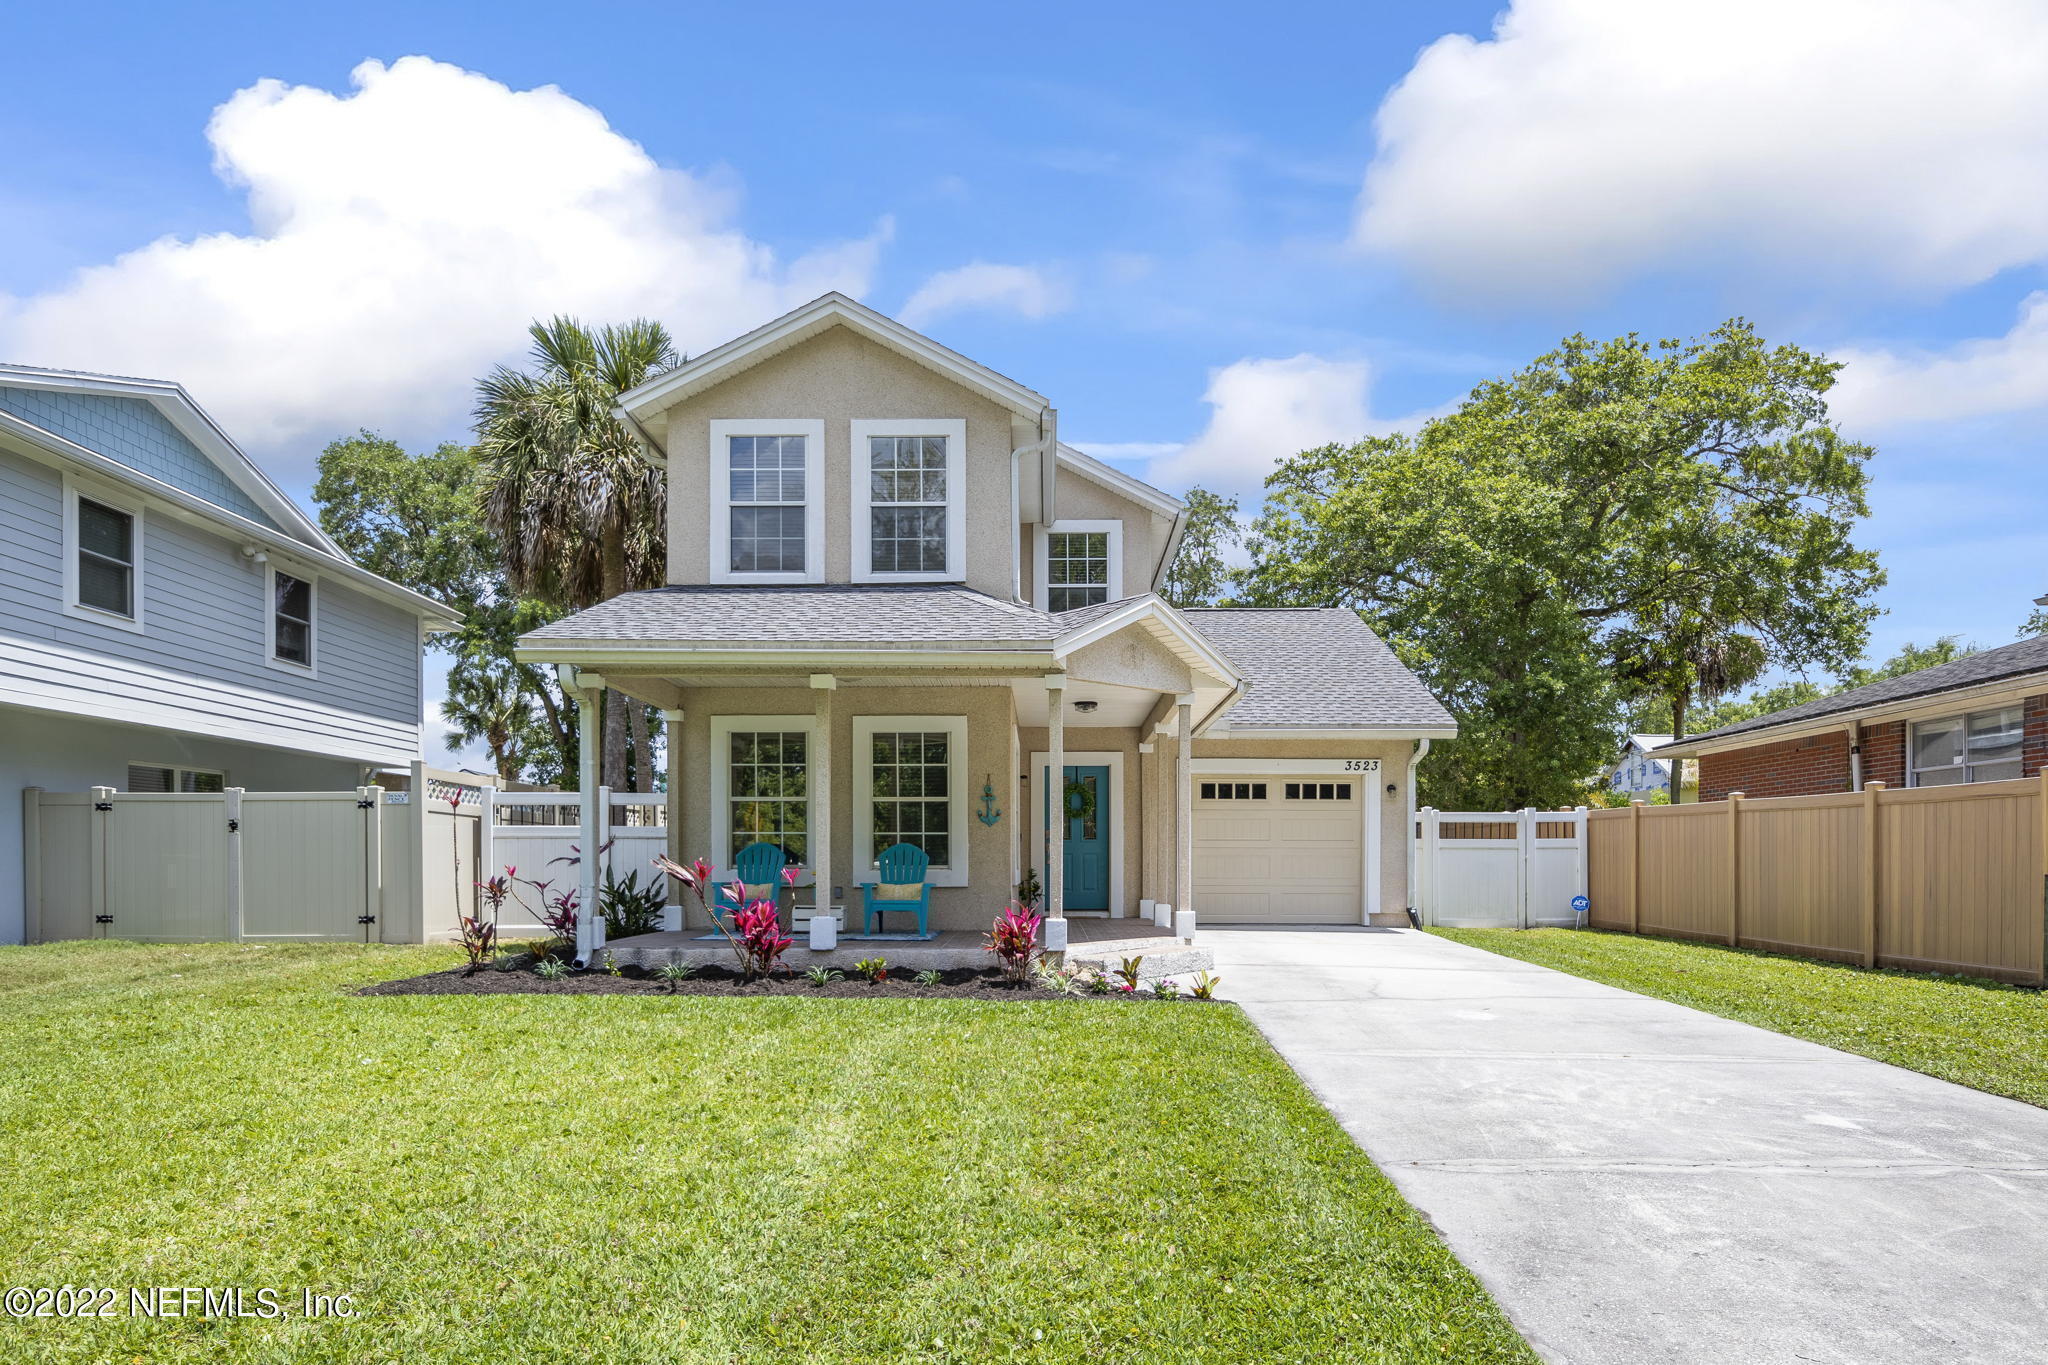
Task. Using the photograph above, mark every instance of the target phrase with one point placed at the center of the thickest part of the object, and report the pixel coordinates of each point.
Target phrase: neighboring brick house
(1983, 718)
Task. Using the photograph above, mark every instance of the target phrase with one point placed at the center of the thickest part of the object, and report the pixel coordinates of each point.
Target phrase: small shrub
(479, 939)
(552, 969)
(824, 976)
(930, 976)
(1205, 985)
(1013, 938)
(674, 973)
(1166, 988)
(760, 938)
(539, 949)
(628, 907)
(1065, 979)
(609, 963)
(1127, 972)
(1029, 892)
(875, 969)
(1100, 983)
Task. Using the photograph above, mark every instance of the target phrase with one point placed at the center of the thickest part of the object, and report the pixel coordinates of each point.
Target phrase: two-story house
(170, 621)
(901, 611)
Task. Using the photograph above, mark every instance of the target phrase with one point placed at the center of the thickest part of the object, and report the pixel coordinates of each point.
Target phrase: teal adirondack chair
(902, 887)
(759, 867)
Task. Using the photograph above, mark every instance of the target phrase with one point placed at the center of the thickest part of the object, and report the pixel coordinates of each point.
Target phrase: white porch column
(1055, 797)
(1148, 836)
(1184, 809)
(823, 685)
(672, 743)
(587, 689)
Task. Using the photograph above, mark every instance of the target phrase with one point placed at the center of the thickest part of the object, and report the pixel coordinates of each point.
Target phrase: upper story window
(909, 501)
(1983, 746)
(102, 558)
(767, 525)
(291, 619)
(1079, 563)
(167, 777)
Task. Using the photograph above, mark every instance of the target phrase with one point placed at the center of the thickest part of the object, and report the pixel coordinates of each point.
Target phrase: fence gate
(198, 867)
(538, 832)
(1500, 869)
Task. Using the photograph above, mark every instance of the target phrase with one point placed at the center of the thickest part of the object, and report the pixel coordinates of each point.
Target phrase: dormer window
(767, 525)
(1079, 564)
(909, 501)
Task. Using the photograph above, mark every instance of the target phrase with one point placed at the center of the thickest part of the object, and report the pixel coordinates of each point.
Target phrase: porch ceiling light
(1084, 707)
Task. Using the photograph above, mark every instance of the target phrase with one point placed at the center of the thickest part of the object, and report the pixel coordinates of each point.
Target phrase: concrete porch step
(1171, 958)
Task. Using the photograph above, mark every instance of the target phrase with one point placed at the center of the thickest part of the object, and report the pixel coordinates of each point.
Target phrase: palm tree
(485, 704)
(1688, 658)
(579, 511)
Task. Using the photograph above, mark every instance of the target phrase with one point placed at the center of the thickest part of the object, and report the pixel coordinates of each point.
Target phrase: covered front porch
(972, 754)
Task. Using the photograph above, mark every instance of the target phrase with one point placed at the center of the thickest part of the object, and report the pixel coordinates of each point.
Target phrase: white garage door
(1279, 849)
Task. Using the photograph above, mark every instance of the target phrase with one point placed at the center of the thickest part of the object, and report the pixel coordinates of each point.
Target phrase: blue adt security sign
(1581, 904)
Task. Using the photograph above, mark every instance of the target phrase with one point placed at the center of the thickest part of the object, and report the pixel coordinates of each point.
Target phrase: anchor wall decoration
(988, 815)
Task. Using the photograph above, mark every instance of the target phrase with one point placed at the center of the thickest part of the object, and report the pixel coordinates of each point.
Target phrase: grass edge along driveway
(1975, 1032)
(653, 1178)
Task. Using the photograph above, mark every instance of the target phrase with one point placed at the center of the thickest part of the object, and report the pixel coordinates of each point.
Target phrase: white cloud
(1021, 289)
(1262, 410)
(1976, 378)
(401, 238)
(1887, 141)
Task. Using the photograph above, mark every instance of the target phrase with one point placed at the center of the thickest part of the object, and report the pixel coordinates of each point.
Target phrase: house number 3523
(1361, 765)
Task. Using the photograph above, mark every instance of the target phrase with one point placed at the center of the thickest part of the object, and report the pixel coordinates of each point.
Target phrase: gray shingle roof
(1986, 666)
(1318, 666)
(825, 614)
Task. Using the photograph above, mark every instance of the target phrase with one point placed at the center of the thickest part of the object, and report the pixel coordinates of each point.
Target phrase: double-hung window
(1983, 746)
(909, 503)
(761, 784)
(1079, 564)
(291, 619)
(767, 526)
(102, 558)
(910, 785)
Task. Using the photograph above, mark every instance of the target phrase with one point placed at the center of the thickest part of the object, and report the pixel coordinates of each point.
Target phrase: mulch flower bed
(520, 979)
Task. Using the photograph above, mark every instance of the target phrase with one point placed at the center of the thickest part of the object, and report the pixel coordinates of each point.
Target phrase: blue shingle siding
(135, 433)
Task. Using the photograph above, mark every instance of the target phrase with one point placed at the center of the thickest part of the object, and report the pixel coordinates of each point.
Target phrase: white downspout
(1408, 829)
(1017, 510)
(1855, 730)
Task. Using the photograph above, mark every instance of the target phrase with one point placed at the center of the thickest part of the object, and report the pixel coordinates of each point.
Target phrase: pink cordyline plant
(756, 936)
(1013, 938)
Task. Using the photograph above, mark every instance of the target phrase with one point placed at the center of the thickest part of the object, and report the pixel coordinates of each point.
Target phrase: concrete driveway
(1639, 1182)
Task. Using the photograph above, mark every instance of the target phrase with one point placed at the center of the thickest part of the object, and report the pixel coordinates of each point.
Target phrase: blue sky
(1209, 240)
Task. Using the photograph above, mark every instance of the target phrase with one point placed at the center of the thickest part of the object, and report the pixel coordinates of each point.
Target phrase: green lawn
(648, 1178)
(1964, 1029)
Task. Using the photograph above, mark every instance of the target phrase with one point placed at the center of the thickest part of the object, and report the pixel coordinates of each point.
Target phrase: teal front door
(1086, 865)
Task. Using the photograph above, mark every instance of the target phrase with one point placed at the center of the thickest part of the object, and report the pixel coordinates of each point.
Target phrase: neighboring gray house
(169, 621)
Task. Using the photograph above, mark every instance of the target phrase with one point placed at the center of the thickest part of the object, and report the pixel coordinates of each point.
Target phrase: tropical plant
(1013, 938)
(875, 969)
(823, 976)
(488, 704)
(1127, 972)
(761, 939)
(930, 976)
(1204, 985)
(1063, 978)
(761, 932)
(1029, 892)
(628, 907)
(675, 972)
(558, 914)
(550, 969)
(1166, 988)
(479, 937)
(577, 508)
(496, 890)
(1101, 983)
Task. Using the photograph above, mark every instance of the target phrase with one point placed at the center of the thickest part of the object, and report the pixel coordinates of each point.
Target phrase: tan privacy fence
(364, 865)
(1951, 879)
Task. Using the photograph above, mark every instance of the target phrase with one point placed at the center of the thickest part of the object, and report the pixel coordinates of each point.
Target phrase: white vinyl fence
(537, 833)
(1500, 869)
(363, 866)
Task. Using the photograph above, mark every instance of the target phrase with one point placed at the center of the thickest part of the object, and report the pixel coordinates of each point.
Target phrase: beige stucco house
(898, 605)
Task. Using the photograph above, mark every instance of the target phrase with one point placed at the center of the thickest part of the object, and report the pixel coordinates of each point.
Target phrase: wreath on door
(1079, 799)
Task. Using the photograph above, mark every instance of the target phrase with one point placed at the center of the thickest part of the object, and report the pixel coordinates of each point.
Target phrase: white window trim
(813, 432)
(312, 582)
(1041, 548)
(1961, 720)
(955, 729)
(1041, 777)
(178, 772)
(954, 429)
(120, 502)
(722, 729)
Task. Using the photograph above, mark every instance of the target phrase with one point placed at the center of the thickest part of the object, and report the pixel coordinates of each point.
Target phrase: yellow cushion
(910, 892)
(763, 892)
